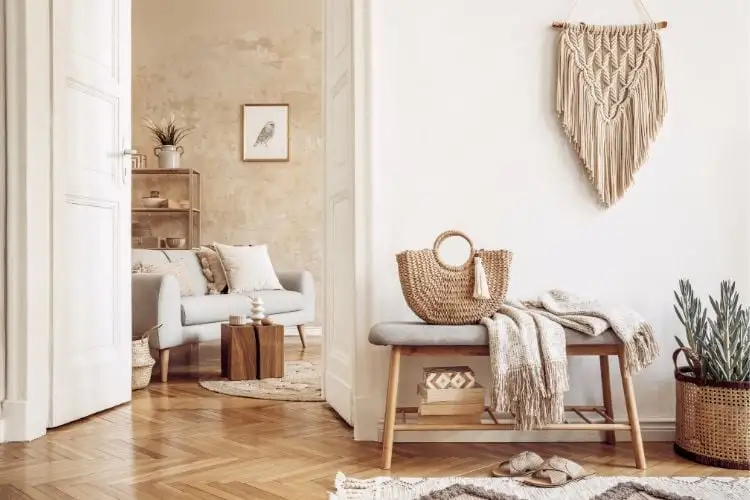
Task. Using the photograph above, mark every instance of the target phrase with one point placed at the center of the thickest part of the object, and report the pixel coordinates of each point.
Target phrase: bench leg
(609, 436)
(390, 406)
(635, 426)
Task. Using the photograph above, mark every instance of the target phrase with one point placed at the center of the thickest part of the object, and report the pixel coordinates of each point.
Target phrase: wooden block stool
(421, 339)
(250, 352)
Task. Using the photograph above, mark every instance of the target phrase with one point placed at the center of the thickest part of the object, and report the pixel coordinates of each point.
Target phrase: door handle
(131, 152)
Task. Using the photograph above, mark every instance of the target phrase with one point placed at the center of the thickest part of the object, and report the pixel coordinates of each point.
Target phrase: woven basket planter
(440, 293)
(142, 362)
(713, 418)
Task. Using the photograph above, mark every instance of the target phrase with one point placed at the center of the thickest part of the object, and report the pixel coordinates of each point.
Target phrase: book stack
(450, 395)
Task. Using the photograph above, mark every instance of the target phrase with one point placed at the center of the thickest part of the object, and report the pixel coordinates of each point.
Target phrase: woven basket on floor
(142, 362)
(440, 293)
(713, 418)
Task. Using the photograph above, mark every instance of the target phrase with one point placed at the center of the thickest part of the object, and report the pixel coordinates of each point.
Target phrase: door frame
(28, 232)
(29, 287)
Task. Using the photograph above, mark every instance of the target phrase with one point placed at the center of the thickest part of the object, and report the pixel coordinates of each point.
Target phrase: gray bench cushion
(422, 334)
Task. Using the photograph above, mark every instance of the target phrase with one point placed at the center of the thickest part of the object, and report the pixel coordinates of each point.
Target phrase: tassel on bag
(481, 288)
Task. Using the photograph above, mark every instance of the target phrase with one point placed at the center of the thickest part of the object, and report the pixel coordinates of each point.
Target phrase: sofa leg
(164, 363)
(301, 331)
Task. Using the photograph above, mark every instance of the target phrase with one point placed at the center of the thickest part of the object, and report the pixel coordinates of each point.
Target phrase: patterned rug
(595, 488)
(301, 382)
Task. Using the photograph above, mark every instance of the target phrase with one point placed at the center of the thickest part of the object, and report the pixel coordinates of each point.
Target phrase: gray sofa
(198, 318)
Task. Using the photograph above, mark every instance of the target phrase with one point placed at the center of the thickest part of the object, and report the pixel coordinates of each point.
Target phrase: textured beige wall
(203, 59)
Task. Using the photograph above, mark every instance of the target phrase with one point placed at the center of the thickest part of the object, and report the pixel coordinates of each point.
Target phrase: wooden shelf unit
(193, 212)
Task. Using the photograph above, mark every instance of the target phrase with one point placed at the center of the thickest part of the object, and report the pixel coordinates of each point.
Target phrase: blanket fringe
(642, 349)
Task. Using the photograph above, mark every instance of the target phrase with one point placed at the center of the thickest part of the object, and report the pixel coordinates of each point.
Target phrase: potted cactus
(713, 390)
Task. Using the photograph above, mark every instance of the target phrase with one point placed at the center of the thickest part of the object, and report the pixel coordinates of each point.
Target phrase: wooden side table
(270, 350)
(239, 352)
(250, 352)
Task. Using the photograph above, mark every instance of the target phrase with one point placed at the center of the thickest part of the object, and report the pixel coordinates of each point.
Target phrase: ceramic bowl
(175, 242)
(153, 202)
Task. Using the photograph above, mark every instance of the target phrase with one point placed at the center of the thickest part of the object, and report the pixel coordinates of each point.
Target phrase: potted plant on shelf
(713, 390)
(167, 135)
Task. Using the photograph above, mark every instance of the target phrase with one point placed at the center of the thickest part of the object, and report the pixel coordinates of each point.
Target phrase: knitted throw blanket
(528, 363)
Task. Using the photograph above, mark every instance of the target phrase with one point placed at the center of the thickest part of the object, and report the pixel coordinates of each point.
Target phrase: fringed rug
(596, 488)
(301, 382)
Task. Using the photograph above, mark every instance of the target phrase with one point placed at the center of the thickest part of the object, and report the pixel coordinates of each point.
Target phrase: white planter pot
(169, 156)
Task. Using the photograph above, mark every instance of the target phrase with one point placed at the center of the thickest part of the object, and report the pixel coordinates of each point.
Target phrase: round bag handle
(693, 362)
(449, 234)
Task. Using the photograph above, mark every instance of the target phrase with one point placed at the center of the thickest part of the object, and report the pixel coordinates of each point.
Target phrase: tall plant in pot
(167, 136)
(713, 390)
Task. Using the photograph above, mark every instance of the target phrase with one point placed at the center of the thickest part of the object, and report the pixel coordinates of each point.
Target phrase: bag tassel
(481, 288)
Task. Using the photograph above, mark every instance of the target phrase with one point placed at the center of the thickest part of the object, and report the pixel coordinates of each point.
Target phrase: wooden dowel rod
(560, 24)
(582, 416)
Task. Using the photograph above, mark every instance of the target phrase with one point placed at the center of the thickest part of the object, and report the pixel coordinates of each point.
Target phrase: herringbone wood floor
(177, 440)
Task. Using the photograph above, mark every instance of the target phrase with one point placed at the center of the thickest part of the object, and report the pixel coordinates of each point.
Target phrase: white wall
(464, 136)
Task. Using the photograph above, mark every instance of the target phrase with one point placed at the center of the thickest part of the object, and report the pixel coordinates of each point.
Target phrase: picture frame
(265, 132)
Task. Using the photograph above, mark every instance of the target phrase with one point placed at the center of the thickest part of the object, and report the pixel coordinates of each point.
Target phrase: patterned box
(449, 377)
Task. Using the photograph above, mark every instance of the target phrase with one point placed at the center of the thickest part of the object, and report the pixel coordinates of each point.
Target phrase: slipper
(556, 472)
(522, 464)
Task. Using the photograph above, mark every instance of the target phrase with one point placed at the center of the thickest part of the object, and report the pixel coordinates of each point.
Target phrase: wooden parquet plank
(178, 440)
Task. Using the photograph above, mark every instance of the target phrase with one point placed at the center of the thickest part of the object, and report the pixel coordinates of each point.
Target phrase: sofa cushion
(149, 257)
(214, 308)
(279, 301)
(193, 266)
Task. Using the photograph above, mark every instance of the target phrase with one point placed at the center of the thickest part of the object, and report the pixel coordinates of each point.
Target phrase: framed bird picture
(265, 132)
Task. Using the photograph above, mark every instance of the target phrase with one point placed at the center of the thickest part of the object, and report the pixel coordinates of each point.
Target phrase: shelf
(165, 171)
(166, 210)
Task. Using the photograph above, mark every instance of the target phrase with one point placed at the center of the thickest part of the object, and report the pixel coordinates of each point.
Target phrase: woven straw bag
(142, 362)
(713, 418)
(440, 293)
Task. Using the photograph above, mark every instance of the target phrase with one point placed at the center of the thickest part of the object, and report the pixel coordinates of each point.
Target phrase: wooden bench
(420, 339)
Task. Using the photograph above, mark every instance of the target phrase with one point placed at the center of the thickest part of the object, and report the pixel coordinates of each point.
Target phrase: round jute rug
(301, 382)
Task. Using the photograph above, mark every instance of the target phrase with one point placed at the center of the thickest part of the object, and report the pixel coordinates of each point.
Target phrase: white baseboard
(655, 429)
(310, 331)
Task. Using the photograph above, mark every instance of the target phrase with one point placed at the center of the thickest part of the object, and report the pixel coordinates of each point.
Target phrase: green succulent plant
(722, 344)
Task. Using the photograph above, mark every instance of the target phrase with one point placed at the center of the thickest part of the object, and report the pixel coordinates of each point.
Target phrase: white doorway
(77, 361)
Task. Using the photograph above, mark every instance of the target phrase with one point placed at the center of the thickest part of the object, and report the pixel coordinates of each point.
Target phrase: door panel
(91, 207)
(339, 283)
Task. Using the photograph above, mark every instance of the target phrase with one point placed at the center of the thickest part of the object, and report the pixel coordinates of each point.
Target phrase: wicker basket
(713, 418)
(142, 362)
(440, 293)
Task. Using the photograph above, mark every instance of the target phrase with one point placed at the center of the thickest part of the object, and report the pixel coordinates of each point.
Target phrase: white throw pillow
(248, 268)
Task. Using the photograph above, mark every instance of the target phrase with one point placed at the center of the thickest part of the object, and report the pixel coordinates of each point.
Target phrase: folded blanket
(527, 351)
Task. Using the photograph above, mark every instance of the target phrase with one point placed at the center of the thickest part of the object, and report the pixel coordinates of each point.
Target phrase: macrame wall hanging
(611, 98)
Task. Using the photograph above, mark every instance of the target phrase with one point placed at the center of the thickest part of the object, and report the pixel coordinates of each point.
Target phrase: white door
(339, 281)
(91, 207)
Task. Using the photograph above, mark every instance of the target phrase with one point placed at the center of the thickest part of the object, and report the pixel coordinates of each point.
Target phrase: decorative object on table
(611, 99)
(164, 214)
(257, 312)
(265, 132)
(142, 362)
(153, 200)
(239, 352)
(440, 293)
(267, 321)
(301, 382)
(248, 268)
(138, 160)
(175, 242)
(713, 390)
(594, 488)
(167, 136)
(238, 320)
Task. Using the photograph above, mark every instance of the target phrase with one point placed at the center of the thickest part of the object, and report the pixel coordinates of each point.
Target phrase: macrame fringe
(481, 288)
(612, 145)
